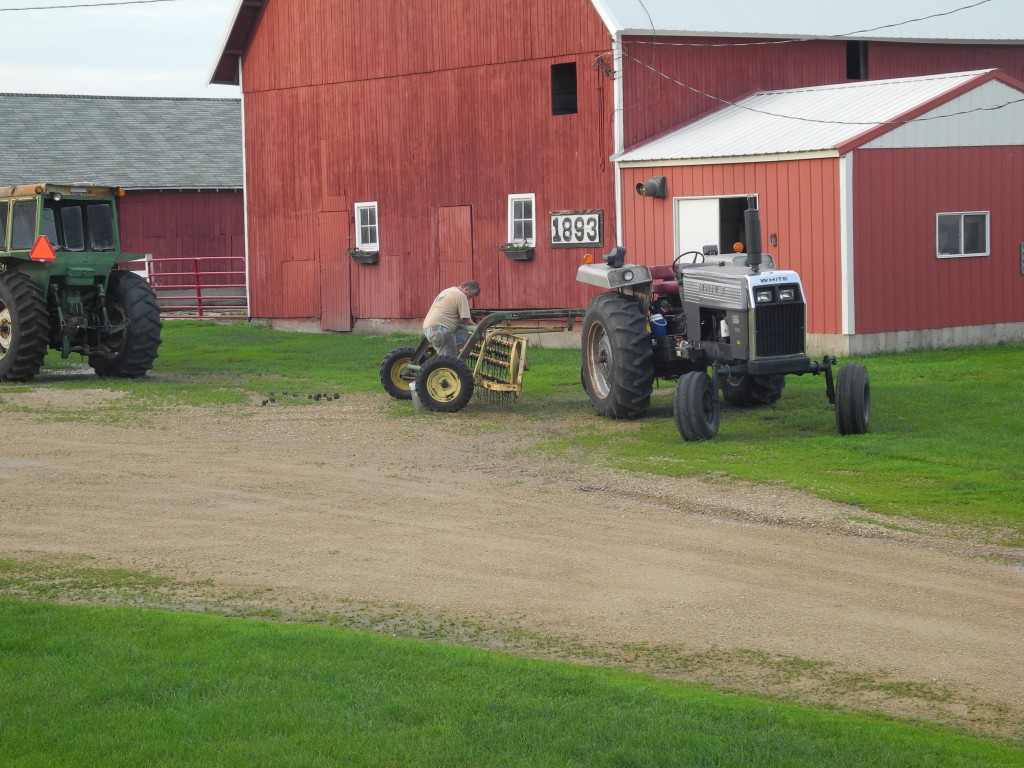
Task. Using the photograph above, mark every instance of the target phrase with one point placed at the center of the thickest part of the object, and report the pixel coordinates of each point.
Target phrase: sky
(153, 49)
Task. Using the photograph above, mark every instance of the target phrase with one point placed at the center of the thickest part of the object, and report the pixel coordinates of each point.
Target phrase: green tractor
(60, 287)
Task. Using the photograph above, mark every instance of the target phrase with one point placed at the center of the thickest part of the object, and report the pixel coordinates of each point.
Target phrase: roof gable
(135, 143)
(838, 118)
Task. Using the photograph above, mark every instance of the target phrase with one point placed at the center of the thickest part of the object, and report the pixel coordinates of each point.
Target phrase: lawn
(128, 687)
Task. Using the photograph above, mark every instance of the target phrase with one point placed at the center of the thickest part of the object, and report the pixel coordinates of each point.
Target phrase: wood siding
(678, 79)
(899, 282)
(451, 111)
(799, 203)
(185, 224)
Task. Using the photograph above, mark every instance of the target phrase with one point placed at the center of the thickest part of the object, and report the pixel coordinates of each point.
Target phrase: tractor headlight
(628, 275)
(787, 294)
(763, 296)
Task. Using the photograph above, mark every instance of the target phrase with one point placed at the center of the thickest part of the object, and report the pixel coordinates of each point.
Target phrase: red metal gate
(197, 287)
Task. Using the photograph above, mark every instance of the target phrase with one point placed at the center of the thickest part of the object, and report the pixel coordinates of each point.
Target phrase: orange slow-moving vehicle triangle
(42, 250)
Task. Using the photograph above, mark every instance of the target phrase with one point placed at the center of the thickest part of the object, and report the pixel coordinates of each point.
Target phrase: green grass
(944, 442)
(131, 687)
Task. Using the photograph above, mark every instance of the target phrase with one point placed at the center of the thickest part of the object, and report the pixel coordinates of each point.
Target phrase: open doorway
(714, 221)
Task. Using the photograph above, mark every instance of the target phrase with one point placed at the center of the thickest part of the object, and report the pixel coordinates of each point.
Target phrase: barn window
(961, 234)
(366, 227)
(856, 60)
(521, 218)
(563, 89)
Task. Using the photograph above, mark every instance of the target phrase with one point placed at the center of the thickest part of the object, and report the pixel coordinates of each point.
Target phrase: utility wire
(727, 102)
(87, 5)
(809, 39)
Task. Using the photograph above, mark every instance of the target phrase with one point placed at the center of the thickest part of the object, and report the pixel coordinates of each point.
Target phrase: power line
(727, 102)
(87, 5)
(809, 39)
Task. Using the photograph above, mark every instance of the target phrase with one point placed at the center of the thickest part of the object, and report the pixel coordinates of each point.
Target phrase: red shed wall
(185, 224)
(420, 107)
(899, 282)
(799, 203)
(673, 82)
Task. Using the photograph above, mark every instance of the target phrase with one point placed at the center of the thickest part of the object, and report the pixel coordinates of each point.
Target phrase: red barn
(178, 159)
(428, 133)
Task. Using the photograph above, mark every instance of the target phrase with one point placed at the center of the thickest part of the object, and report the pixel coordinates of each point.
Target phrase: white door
(697, 224)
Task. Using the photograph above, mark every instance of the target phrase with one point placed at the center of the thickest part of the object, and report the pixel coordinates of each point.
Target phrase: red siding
(461, 122)
(185, 225)
(905, 60)
(694, 70)
(899, 282)
(799, 203)
(690, 71)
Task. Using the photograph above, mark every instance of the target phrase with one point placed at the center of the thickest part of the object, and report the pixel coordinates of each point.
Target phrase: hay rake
(490, 363)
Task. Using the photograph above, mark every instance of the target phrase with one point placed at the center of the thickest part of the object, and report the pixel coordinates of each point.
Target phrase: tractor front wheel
(853, 399)
(618, 367)
(695, 407)
(444, 384)
(23, 327)
(394, 383)
(129, 350)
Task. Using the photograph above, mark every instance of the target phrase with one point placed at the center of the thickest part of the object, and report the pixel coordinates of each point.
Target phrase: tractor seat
(664, 280)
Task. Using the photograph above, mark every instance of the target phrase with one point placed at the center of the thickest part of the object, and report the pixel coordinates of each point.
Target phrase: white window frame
(512, 200)
(361, 244)
(961, 255)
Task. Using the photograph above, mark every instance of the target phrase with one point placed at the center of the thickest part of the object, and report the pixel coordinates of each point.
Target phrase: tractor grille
(780, 330)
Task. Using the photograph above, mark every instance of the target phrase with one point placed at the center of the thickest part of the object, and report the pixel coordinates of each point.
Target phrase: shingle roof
(821, 118)
(134, 143)
(992, 21)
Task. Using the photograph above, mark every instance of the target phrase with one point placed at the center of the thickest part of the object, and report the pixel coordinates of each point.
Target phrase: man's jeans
(444, 340)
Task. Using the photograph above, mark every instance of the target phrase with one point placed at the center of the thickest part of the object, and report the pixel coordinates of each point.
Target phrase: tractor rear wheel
(391, 373)
(444, 384)
(695, 407)
(618, 367)
(853, 399)
(752, 391)
(129, 351)
(24, 327)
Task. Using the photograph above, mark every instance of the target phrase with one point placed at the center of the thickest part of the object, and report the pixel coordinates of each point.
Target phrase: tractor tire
(853, 399)
(695, 407)
(752, 391)
(24, 327)
(618, 363)
(129, 352)
(444, 384)
(391, 373)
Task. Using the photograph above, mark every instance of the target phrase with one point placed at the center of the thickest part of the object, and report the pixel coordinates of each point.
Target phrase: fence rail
(197, 287)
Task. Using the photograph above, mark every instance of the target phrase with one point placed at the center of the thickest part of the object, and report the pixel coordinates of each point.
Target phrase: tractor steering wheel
(678, 260)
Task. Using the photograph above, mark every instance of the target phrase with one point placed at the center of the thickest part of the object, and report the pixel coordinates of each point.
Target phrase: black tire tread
(853, 400)
(688, 411)
(632, 357)
(387, 366)
(142, 336)
(29, 324)
(461, 371)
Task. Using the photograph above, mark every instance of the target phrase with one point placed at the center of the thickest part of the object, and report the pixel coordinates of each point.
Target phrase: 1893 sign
(577, 229)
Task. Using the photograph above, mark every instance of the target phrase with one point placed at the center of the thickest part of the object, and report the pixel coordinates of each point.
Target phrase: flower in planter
(515, 246)
(363, 257)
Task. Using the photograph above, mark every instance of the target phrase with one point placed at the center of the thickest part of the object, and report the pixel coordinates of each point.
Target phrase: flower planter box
(364, 257)
(524, 254)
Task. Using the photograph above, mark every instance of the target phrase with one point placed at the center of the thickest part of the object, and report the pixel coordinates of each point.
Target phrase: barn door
(335, 278)
(455, 244)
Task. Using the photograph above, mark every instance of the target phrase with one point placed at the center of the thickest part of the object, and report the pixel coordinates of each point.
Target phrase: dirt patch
(369, 515)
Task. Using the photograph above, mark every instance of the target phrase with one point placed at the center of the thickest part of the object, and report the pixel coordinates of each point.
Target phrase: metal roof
(992, 21)
(802, 120)
(134, 143)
